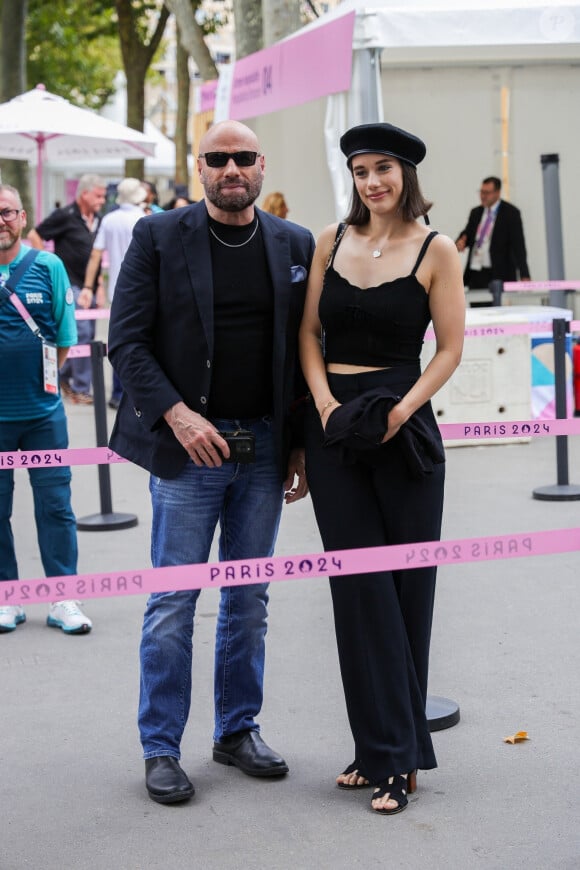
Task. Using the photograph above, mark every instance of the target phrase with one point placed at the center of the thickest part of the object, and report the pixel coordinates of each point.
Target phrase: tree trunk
(181, 119)
(248, 26)
(12, 83)
(190, 35)
(281, 18)
(135, 168)
(137, 56)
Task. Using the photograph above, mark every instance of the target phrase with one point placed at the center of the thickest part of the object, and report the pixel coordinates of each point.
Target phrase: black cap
(382, 139)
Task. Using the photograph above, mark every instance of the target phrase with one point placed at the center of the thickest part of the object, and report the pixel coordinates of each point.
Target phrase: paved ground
(506, 647)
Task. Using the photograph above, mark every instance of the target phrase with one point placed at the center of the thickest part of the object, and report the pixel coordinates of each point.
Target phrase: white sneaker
(10, 617)
(68, 616)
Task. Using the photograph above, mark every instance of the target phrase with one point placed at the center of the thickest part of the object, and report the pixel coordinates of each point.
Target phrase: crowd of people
(280, 365)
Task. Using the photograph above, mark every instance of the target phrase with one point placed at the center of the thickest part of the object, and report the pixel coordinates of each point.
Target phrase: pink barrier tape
(105, 456)
(514, 286)
(92, 313)
(336, 563)
(510, 429)
(500, 329)
(79, 350)
(51, 458)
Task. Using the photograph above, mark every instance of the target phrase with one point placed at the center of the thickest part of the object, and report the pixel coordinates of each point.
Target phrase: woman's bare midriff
(346, 369)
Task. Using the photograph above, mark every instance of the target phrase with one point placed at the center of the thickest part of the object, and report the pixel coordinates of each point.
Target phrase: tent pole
(40, 158)
(369, 95)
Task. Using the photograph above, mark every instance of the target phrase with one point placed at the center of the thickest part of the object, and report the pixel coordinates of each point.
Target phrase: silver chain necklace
(241, 245)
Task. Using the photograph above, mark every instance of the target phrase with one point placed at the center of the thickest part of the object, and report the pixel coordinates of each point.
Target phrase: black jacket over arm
(507, 249)
(161, 330)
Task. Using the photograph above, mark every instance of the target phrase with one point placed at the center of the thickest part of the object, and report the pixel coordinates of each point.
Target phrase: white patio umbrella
(39, 126)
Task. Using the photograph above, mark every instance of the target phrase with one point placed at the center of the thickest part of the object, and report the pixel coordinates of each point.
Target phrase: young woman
(375, 461)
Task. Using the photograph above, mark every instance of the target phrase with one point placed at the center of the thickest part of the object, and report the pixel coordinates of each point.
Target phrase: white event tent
(159, 167)
(491, 85)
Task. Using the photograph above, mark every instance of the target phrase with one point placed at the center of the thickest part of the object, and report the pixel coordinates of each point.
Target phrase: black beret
(382, 139)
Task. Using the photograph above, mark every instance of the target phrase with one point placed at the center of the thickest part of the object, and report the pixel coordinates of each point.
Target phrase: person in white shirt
(113, 236)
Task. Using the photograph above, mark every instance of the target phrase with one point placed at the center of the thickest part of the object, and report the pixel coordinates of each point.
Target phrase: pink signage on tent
(291, 72)
(208, 92)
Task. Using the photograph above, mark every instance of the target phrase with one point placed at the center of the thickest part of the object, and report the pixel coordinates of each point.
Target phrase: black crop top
(379, 326)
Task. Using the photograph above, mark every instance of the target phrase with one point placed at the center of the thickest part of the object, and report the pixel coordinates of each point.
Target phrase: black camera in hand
(242, 444)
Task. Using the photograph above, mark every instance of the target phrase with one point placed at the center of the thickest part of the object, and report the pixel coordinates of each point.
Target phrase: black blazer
(507, 248)
(161, 330)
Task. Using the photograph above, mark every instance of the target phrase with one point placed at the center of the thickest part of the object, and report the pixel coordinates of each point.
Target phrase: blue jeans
(246, 500)
(77, 372)
(55, 520)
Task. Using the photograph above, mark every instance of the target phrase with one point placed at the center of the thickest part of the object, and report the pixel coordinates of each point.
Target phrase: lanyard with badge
(49, 354)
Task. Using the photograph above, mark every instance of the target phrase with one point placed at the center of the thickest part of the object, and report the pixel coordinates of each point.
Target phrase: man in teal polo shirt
(32, 414)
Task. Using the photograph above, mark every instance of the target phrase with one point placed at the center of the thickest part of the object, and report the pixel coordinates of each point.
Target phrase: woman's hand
(395, 419)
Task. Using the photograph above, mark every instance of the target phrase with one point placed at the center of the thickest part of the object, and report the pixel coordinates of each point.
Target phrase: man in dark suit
(203, 335)
(494, 236)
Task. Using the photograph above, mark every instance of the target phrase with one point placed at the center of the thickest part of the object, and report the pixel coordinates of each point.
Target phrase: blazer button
(203, 400)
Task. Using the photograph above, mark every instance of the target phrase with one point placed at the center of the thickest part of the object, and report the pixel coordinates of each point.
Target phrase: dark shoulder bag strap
(23, 267)
(8, 291)
(340, 231)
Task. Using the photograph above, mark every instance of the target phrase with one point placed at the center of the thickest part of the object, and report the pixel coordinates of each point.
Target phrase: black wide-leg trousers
(382, 620)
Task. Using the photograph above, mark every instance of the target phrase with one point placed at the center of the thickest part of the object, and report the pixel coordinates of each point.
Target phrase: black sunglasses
(219, 159)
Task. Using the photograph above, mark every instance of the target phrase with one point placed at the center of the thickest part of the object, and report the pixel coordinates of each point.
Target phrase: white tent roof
(434, 31)
(461, 23)
(163, 163)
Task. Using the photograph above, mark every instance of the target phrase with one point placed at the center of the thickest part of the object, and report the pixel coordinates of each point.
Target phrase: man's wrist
(169, 415)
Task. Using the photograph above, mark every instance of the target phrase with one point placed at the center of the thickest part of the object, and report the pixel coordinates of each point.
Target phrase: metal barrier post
(441, 713)
(553, 216)
(496, 290)
(563, 490)
(107, 519)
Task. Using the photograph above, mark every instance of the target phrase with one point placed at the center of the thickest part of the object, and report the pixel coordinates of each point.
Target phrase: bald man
(203, 335)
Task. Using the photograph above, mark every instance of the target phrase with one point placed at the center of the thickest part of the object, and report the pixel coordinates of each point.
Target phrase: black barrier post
(563, 490)
(441, 713)
(106, 520)
(553, 217)
(496, 290)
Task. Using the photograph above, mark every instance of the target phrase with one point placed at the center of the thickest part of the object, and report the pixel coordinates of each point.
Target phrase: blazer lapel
(193, 231)
(498, 229)
(277, 247)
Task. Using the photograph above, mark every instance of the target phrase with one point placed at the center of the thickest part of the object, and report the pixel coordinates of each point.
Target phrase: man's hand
(460, 243)
(296, 469)
(197, 435)
(85, 298)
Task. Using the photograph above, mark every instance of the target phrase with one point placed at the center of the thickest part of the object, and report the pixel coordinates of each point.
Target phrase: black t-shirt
(73, 240)
(241, 386)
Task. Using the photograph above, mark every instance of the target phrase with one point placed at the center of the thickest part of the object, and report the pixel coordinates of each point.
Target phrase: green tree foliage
(73, 49)
(12, 83)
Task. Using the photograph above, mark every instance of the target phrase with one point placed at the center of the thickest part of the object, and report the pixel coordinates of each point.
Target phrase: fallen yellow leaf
(518, 737)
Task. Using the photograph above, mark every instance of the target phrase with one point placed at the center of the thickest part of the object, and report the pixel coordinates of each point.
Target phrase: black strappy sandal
(396, 787)
(353, 768)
